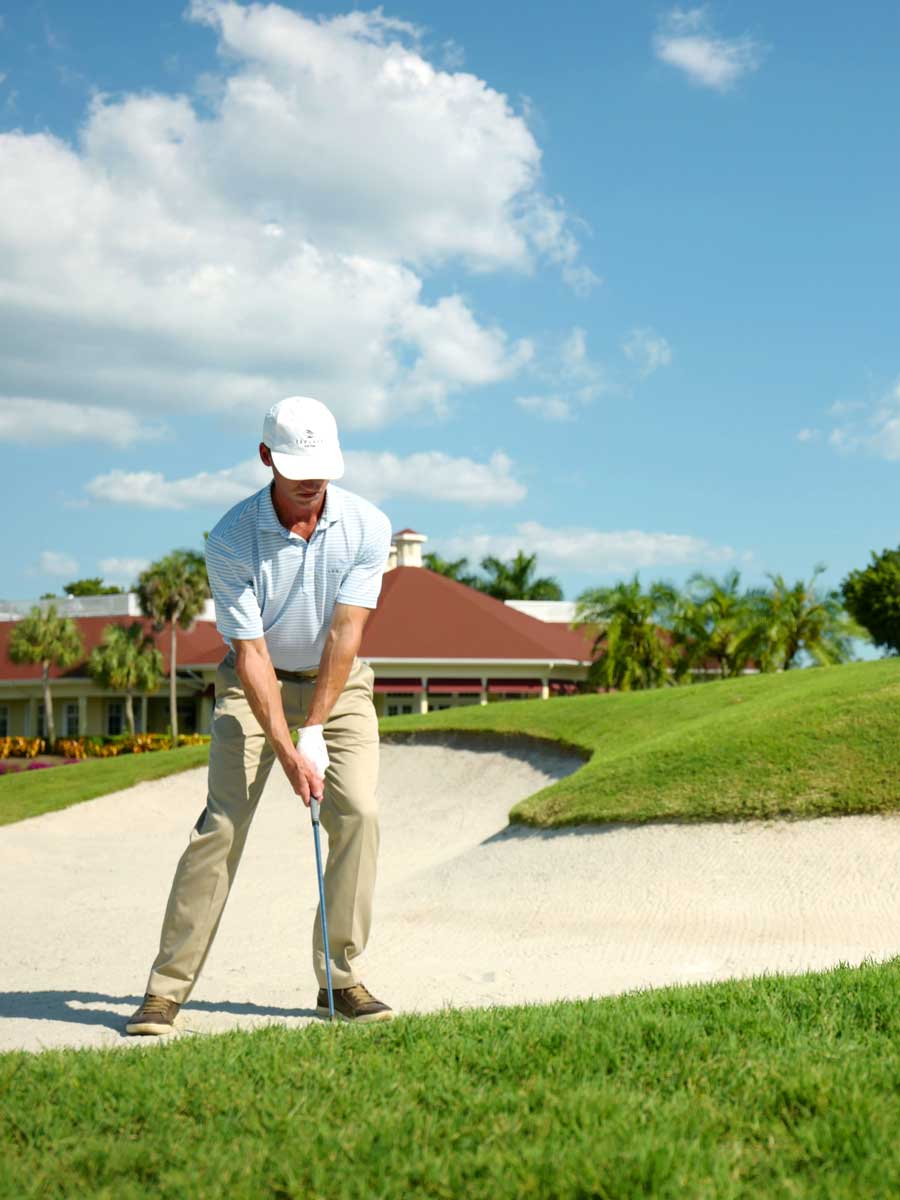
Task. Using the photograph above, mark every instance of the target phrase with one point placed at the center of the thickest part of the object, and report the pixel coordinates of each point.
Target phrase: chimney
(407, 548)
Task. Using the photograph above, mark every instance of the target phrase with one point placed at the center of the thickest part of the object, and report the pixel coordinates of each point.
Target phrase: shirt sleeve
(362, 583)
(237, 608)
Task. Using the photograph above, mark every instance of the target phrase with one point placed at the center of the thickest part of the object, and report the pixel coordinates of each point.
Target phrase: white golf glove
(311, 742)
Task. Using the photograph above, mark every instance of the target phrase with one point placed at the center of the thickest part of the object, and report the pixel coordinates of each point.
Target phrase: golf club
(314, 813)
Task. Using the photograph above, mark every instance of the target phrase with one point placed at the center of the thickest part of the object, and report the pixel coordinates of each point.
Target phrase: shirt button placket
(307, 567)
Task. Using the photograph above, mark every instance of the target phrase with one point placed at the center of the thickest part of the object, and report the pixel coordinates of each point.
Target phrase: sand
(468, 910)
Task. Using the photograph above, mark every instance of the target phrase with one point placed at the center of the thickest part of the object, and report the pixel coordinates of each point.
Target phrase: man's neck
(305, 518)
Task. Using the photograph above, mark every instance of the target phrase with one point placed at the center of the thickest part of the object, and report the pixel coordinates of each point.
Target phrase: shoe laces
(157, 1005)
(360, 992)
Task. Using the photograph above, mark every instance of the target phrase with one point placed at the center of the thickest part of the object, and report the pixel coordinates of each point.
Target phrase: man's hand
(304, 774)
(310, 762)
(311, 743)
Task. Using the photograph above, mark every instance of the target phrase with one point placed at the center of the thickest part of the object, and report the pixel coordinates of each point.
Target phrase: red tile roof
(425, 615)
(197, 647)
(420, 615)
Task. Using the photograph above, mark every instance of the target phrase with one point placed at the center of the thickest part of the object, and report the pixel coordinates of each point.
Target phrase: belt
(311, 674)
(229, 661)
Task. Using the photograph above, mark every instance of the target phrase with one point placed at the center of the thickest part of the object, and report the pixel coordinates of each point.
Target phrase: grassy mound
(773, 1086)
(804, 743)
(30, 793)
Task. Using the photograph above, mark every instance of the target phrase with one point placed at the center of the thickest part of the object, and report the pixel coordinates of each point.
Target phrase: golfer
(295, 570)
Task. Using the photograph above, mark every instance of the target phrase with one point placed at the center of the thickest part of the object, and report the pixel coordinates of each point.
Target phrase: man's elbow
(249, 653)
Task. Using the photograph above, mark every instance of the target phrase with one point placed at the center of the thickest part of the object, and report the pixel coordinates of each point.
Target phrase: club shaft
(314, 812)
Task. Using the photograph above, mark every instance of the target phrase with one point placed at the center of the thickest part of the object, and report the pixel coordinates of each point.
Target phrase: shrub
(112, 745)
(21, 747)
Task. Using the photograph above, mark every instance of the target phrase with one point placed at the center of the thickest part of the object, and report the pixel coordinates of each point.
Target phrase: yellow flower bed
(21, 747)
(138, 743)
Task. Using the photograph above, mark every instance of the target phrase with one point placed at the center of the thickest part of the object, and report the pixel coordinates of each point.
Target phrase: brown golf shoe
(355, 1004)
(156, 1015)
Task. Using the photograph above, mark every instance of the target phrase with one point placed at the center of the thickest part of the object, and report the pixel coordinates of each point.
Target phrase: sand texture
(468, 911)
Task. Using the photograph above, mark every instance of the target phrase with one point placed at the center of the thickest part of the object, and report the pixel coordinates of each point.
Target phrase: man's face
(299, 492)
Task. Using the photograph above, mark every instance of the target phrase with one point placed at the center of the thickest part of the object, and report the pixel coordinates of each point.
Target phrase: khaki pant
(240, 758)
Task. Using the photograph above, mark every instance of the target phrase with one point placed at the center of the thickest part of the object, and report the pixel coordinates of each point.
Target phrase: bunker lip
(490, 741)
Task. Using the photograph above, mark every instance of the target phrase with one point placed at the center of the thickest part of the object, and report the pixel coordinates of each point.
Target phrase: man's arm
(257, 674)
(341, 647)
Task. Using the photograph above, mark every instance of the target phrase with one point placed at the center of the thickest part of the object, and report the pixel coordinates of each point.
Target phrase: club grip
(314, 809)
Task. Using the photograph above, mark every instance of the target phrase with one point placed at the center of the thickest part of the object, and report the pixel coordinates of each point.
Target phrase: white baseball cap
(302, 435)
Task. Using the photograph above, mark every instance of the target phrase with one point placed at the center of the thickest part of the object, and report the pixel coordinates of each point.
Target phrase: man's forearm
(337, 658)
(264, 697)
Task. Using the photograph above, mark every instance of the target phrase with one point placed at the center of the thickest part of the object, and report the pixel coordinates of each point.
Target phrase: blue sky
(612, 282)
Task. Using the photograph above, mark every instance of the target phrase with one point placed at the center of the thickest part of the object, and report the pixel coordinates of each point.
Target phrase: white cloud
(647, 350)
(553, 408)
(51, 422)
(432, 475)
(271, 236)
(582, 549)
(53, 562)
(429, 475)
(122, 571)
(876, 430)
(453, 54)
(686, 40)
(809, 435)
(574, 379)
(151, 489)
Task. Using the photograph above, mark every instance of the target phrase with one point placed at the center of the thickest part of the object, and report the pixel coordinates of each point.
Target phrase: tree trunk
(173, 704)
(129, 713)
(49, 726)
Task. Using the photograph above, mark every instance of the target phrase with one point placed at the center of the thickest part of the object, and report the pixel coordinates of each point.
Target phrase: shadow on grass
(58, 1006)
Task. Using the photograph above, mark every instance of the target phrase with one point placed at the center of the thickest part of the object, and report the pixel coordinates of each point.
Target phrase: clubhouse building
(432, 643)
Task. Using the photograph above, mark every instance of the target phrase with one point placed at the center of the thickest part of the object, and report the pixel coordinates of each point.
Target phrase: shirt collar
(268, 517)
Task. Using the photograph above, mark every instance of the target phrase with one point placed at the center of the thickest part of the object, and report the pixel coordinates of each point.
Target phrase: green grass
(778, 1086)
(805, 743)
(30, 793)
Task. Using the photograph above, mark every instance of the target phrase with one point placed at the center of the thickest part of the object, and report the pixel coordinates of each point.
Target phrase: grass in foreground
(804, 743)
(30, 793)
(775, 1086)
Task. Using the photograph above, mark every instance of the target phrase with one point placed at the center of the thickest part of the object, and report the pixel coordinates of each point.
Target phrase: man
(295, 570)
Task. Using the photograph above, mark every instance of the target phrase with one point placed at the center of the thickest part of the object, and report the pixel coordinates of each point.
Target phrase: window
(396, 710)
(187, 716)
(40, 720)
(115, 716)
(70, 719)
(4, 720)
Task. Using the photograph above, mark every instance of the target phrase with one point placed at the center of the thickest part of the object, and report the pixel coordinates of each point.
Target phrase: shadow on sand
(58, 1006)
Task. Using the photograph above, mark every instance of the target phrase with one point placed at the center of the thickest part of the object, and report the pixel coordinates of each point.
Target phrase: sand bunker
(468, 911)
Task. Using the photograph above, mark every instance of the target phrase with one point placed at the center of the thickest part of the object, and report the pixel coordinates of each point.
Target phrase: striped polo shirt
(269, 582)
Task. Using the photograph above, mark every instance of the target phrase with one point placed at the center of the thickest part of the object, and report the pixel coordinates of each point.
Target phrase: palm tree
(513, 580)
(51, 640)
(452, 570)
(715, 621)
(630, 646)
(803, 618)
(127, 660)
(173, 591)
